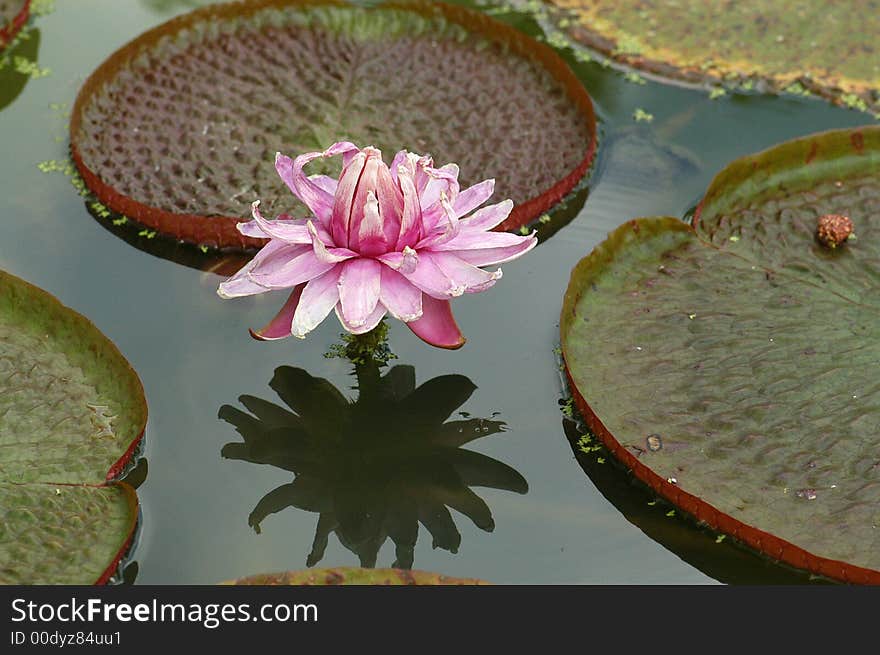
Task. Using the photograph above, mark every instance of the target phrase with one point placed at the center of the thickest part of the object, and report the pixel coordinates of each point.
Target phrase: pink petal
(405, 261)
(287, 269)
(440, 180)
(488, 248)
(488, 217)
(322, 252)
(359, 286)
(399, 296)
(375, 178)
(343, 205)
(279, 327)
(310, 191)
(371, 322)
(319, 297)
(458, 276)
(371, 234)
(445, 231)
(411, 218)
(437, 325)
(240, 284)
(400, 159)
(473, 197)
(428, 277)
(289, 232)
(324, 182)
(253, 229)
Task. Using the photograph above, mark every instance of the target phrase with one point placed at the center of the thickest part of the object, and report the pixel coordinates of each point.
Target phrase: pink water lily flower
(401, 241)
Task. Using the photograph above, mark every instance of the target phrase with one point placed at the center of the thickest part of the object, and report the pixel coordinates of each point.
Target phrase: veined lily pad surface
(71, 414)
(820, 46)
(179, 129)
(13, 16)
(355, 576)
(733, 365)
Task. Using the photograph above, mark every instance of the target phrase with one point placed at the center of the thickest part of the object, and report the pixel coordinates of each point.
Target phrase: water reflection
(13, 81)
(724, 561)
(376, 467)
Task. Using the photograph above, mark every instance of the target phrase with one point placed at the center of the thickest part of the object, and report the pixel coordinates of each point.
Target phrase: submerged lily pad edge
(351, 575)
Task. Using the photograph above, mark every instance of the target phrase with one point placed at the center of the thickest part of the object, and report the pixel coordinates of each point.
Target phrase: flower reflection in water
(376, 467)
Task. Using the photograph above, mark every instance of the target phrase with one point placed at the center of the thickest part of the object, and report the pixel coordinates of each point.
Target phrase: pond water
(193, 353)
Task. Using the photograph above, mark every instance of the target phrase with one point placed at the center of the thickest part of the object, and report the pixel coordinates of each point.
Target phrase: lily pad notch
(180, 207)
(755, 227)
(14, 23)
(72, 417)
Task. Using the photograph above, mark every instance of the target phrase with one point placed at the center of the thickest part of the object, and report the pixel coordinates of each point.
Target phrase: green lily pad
(178, 130)
(13, 16)
(72, 412)
(354, 576)
(806, 46)
(733, 365)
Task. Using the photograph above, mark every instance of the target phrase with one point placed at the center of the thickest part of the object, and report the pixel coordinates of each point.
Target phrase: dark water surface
(194, 355)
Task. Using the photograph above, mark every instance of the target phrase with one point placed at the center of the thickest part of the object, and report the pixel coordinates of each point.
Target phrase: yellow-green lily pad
(827, 48)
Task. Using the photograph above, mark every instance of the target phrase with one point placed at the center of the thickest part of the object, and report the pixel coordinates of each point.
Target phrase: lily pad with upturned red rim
(809, 46)
(749, 353)
(159, 136)
(354, 576)
(72, 413)
(13, 16)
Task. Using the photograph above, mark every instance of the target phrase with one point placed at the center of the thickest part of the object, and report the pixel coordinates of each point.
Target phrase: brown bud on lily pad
(72, 412)
(354, 576)
(726, 337)
(178, 129)
(833, 230)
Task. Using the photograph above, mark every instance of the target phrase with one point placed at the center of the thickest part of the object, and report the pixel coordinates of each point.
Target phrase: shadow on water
(12, 82)
(725, 561)
(223, 263)
(376, 467)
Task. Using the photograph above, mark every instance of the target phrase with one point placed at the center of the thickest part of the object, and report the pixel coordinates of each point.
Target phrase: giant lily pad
(826, 47)
(733, 365)
(13, 16)
(179, 129)
(72, 412)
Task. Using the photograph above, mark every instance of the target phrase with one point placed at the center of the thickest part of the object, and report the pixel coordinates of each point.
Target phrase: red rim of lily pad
(95, 345)
(350, 575)
(13, 27)
(814, 148)
(220, 231)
